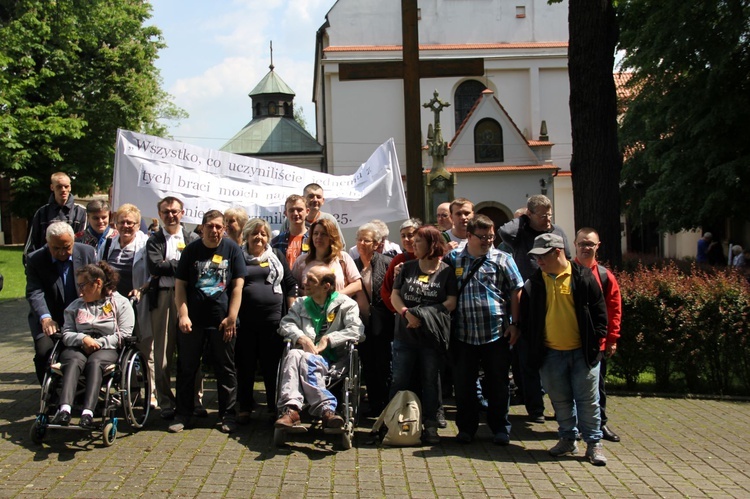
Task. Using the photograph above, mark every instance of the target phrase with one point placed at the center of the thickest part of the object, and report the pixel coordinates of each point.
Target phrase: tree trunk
(596, 161)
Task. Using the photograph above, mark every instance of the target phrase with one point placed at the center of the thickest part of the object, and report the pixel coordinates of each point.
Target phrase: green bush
(688, 325)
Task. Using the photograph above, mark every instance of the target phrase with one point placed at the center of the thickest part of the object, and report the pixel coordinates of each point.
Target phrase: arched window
(287, 109)
(257, 109)
(488, 141)
(467, 94)
(272, 109)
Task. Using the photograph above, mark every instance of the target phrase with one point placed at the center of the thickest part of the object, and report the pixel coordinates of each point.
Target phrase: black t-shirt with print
(209, 273)
(418, 288)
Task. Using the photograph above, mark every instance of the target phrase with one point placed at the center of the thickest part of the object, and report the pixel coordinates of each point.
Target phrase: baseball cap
(545, 243)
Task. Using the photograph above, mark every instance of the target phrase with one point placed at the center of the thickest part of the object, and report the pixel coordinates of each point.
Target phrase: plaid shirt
(485, 300)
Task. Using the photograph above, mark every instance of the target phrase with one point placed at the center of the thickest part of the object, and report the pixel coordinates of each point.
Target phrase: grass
(11, 266)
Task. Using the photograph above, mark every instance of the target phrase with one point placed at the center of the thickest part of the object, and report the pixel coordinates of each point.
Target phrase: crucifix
(411, 69)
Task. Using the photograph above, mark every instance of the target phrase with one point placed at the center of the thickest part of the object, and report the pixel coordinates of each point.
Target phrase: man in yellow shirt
(564, 319)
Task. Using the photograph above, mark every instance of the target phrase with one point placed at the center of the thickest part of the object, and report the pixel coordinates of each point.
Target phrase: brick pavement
(671, 448)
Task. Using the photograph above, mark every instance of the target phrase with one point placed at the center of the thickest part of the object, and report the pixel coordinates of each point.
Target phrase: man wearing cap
(519, 235)
(564, 319)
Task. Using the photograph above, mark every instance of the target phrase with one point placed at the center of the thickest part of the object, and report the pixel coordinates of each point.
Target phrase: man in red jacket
(587, 242)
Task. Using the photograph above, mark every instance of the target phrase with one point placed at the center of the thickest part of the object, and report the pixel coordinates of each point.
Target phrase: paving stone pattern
(669, 448)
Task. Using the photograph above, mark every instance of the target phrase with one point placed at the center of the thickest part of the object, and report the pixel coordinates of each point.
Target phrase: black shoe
(200, 412)
(608, 434)
(86, 422)
(62, 418)
(537, 418)
(167, 414)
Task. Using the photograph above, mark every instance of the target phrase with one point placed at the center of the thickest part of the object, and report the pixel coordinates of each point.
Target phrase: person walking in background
(98, 229)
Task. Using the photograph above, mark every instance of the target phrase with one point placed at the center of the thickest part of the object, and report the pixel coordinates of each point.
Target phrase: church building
(508, 130)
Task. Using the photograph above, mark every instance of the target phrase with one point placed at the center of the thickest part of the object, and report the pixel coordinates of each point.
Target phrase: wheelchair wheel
(110, 433)
(279, 437)
(136, 389)
(355, 382)
(38, 429)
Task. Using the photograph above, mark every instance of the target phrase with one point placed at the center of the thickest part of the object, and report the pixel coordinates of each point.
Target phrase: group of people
(447, 301)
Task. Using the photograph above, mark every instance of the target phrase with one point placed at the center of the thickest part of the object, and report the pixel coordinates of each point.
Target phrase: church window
(257, 109)
(287, 109)
(488, 141)
(467, 94)
(272, 109)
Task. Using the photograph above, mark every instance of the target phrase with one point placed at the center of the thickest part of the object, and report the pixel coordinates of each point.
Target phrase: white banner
(148, 168)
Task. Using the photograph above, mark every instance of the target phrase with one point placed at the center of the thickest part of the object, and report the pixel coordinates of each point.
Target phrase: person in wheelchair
(318, 326)
(94, 325)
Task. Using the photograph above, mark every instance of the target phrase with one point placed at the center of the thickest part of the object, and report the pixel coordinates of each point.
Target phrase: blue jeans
(573, 388)
(417, 366)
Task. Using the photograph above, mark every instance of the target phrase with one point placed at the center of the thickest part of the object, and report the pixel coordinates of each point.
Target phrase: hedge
(688, 327)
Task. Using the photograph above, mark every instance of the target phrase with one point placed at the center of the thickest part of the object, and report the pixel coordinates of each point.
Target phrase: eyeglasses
(548, 216)
(171, 212)
(586, 245)
(81, 285)
(486, 239)
(126, 223)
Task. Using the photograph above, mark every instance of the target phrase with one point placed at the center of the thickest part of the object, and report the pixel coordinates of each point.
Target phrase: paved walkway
(670, 448)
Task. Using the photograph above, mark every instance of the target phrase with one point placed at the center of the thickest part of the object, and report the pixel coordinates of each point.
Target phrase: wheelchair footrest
(338, 431)
(56, 368)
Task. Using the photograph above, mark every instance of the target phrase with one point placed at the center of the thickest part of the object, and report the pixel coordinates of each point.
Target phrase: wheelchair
(345, 385)
(126, 387)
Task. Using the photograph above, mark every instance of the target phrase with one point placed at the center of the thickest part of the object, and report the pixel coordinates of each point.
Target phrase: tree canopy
(687, 121)
(72, 73)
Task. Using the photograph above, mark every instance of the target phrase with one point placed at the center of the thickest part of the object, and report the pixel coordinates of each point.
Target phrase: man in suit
(51, 286)
(163, 251)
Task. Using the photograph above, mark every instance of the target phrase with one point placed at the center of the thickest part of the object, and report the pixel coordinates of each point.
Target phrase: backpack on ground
(402, 418)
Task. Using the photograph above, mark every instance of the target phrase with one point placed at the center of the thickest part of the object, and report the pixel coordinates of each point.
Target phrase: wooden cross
(411, 69)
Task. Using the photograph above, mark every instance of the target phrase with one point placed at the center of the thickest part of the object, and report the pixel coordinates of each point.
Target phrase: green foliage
(689, 326)
(14, 282)
(688, 118)
(73, 73)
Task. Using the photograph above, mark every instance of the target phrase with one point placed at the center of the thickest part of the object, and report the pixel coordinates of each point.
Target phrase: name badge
(424, 278)
(305, 248)
(330, 317)
(263, 264)
(564, 290)
(107, 308)
(217, 259)
(459, 271)
(181, 246)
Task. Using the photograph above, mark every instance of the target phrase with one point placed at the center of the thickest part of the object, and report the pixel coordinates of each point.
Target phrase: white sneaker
(595, 454)
(564, 447)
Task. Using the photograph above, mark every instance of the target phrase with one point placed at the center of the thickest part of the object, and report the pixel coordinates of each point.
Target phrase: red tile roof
(498, 168)
(458, 46)
(539, 143)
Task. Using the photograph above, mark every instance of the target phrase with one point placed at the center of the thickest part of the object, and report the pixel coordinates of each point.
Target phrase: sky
(218, 51)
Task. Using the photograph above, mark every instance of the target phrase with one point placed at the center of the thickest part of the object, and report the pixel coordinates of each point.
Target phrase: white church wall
(509, 189)
(554, 89)
(563, 206)
(488, 21)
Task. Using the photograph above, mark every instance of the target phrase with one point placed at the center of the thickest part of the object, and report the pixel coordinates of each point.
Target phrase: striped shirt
(485, 300)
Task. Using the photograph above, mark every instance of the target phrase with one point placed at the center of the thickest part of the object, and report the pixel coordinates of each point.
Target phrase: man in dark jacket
(519, 235)
(61, 207)
(51, 286)
(564, 319)
(163, 251)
